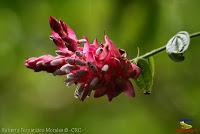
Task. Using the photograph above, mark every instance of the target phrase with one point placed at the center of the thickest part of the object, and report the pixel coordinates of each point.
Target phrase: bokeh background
(40, 100)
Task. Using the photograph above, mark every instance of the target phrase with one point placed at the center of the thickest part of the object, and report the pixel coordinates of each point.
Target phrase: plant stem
(160, 49)
(153, 52)
(194, 34)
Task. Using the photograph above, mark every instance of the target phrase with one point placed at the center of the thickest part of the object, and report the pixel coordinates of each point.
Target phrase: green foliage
(145, 80)
(176, 57)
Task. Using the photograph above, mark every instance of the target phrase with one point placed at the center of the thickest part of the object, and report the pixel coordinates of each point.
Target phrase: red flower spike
(58, 41)
(103, 68)
(65, 32)
(47, 63)
(55, 25)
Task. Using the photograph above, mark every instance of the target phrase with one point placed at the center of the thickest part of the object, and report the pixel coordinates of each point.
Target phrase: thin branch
(160, 49)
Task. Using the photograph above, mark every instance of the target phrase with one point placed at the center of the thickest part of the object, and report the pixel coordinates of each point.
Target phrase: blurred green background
(40, 100)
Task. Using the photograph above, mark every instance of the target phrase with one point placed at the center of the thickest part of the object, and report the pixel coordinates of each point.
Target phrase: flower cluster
(101, 68)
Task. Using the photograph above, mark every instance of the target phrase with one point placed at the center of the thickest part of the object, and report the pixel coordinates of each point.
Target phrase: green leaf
(151, 65)
(178, 45)
(145, 80)
(177, 57)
